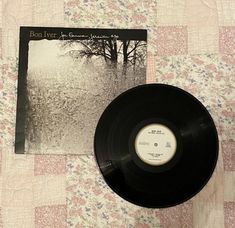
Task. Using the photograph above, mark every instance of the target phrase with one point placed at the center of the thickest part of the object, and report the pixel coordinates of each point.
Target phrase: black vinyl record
(156, 145)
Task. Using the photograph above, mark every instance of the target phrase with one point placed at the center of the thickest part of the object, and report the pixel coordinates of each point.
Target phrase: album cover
(67, 76)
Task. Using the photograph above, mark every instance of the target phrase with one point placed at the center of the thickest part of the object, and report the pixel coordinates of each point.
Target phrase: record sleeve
(67, 76)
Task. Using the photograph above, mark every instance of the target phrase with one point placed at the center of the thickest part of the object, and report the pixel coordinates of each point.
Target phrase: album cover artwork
(67, 76)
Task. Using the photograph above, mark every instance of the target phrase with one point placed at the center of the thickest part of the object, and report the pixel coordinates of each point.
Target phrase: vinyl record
(156, 145)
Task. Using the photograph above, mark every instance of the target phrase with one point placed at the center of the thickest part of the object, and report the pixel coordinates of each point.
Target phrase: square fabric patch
(171, 40)
(50, 216)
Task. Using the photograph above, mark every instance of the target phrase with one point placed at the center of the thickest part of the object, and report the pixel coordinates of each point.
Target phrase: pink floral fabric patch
(228, 148)
(50, 216)
(229, 209)
(178, 216)
(9, 70)
(49, 165)
(227, 39)
(171, 40)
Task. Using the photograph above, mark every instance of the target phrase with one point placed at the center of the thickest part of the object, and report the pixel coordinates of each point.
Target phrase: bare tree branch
(131, 51)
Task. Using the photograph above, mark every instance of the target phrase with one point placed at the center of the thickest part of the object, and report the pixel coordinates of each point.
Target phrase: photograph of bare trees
(69, 84)
(113, 51)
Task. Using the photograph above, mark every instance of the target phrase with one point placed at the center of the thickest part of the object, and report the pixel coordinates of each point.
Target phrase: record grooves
(156, 145)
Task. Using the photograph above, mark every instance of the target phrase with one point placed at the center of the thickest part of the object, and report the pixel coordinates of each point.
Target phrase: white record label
(155, 144)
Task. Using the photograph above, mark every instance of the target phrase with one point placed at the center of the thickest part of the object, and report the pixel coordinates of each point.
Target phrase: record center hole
(155, 144)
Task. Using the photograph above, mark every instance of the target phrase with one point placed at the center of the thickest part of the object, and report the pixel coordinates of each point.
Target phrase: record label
(155, 144)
